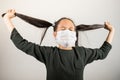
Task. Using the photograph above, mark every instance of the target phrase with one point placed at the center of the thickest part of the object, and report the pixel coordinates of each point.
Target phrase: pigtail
(34, 21)
(77, 34)
(84, 27)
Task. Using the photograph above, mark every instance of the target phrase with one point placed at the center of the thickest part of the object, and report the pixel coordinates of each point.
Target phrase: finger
(107, 23)
(13, 10)
(10, 10)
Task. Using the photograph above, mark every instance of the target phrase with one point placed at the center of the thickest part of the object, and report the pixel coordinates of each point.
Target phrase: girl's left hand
(108, 26)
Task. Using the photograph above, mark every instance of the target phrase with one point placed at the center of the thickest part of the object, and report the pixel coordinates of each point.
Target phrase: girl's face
(64, 24)
(65, 34)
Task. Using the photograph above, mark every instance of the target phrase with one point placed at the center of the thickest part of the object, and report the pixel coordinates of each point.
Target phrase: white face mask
(66, 38)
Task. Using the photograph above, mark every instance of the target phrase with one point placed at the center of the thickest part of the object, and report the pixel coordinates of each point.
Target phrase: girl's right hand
(10, 14)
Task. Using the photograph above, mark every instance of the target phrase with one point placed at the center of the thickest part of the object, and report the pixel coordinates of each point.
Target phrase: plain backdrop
(16, 65)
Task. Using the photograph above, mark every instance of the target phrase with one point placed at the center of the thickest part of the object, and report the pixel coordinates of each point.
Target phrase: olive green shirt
(61, 64)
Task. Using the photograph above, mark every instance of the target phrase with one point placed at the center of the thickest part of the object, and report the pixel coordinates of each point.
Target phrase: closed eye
(63, 28)
(71, 29)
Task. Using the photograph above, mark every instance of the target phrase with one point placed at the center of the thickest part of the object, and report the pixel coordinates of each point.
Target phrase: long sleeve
(96, 54)
(41, 53)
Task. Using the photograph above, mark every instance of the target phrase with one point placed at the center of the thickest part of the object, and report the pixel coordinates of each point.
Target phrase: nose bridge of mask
(63, 32)
(67, 32)
(70, 33)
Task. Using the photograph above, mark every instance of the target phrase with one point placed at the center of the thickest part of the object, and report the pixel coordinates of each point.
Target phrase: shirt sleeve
(98, 53)
(41, 53)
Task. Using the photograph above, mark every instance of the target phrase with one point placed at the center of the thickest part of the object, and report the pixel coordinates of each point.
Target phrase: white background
(16, 65)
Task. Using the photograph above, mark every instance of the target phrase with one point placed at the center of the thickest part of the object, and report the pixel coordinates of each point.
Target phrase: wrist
(6, 18)
(112, 29)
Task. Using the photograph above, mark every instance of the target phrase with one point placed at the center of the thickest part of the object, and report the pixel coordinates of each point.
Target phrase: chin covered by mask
(66, 38)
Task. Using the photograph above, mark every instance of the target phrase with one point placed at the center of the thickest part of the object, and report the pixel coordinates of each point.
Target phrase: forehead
(66, 23)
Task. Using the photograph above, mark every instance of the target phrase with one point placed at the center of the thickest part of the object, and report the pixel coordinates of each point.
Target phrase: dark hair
(57, 22)
(34, 21)
(45, 24)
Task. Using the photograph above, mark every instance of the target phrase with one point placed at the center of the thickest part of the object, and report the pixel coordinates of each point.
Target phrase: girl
(67, 61)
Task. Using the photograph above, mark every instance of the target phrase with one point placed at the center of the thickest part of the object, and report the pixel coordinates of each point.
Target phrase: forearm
(9, 24)
(110, 35)
(7, 19)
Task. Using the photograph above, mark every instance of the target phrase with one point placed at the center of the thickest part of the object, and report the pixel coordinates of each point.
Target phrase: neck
(65, 48)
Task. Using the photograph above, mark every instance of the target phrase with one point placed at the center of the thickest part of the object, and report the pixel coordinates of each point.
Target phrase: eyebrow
(64, 26)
